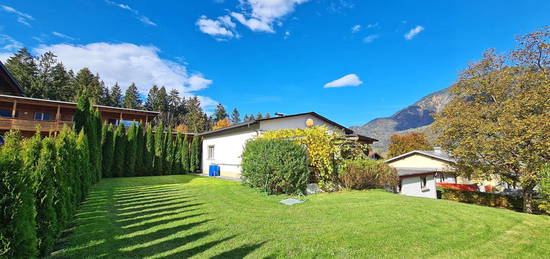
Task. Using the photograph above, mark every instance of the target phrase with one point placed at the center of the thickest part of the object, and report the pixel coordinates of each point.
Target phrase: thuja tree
(497, 123)
(140, 150)
(94, 140)
(17, 216)
(84, 161)
(131, 150)
(65, 168)
(177, 154)
(169, 152)
(149, 154)
(159, 150)
(120, 149)
(194, 164)
(46, 217)
(107, 149)
(184, 156)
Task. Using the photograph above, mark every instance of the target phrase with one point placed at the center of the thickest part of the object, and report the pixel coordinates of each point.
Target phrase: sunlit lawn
(183, 216)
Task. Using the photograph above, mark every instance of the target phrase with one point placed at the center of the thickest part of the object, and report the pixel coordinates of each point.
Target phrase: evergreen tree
(131, 98)
(94, 141)
(159, 150)
(161, 100)
(259, 116)
(108, 149)
(267, 115)
(251, 118)
(235, 116)
(140, 150)
(116, 96)
(220, 113)
(195, 155)
(120, 148)
(195, 117)
(52, 80)
(185, 155)
(69, 186)
(24, 69)
(18, 229)
(169, 152)
(174, 108)
(131, 149)
(86, 81)
(246, 118)
(177, 154)
(149, 150)
(84, 167)
(82, 115)
(151, 98)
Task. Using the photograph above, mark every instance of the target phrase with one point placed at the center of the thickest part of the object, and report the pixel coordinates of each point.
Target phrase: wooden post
(13, 111)
(146, 119)
(58, 114)
(120, 120)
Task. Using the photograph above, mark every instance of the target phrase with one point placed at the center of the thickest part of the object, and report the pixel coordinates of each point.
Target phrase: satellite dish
(309, 123)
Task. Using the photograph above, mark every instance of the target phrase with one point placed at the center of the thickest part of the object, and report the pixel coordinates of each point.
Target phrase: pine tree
(159, 150)
(131, 98)
(235, 116)
(24, 69)
(149, 150)
(185, 155)
(251, 118)
(120, 148)
(86, 81)
(259, 116)
(116, 96)
(107, 147)
(18, 229)
(220, 113)
(195, 117)
(246, 118)
(131, 149)
(151, 98)
(195, 155)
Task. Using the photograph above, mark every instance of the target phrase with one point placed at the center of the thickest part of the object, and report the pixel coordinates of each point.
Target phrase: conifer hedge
(107, 149)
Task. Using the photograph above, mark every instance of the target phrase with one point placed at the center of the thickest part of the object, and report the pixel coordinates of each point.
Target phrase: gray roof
(440, 154)
(404, 171)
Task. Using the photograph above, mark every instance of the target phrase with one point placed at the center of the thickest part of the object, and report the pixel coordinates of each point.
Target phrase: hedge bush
(131, 151)
(107, 149)
(275, 166)
(149, 154)
(195, 155)
(119, 153)
(158, 162)
(482, 198)
(367, 174)
(185, 155)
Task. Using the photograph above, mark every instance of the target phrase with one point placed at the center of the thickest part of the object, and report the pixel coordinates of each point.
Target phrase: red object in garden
(460, 187)
(488, 188)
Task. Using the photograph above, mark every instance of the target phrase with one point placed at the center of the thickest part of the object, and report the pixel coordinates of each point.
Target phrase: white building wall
(295, 122)
(228, 148)
(410, 186)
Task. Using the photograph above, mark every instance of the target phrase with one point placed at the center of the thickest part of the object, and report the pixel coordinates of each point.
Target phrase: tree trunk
(528, 199)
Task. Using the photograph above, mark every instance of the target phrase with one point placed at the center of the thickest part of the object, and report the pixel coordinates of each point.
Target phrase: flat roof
(74, 104)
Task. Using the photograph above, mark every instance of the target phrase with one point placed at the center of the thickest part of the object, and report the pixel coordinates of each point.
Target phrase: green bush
(184, 153)
(159, 150)
(140, 151)
(149, 154)
(107, 149)
(131, 151)
(367, 174)
(169, 156)
(482, 198)
(66, 198)
(83, 155)
(119, 153)
(195, 155)
(544, 189)
(46, 218)
(275, 166)
(17, 213)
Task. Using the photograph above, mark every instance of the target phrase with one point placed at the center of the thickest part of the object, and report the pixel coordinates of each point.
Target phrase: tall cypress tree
(149, 150)
(120, 149)
(131, 149)
(185, 155)
(177, 154)
(195, 155)
(159, 150)
(169, 155)
(140, 150)
(98, 156)
(108, 149)
(84, 167)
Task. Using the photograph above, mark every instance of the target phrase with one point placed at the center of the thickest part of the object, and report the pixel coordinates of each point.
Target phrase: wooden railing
(30, 125)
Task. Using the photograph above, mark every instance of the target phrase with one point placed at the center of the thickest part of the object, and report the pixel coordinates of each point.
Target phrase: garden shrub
(83, 154)
(185, 155)
(544, 190)
(482, 198)
(131, 151)
(119, 153)
(159, 150)
(169, 156)
(107, 149)
(367, 174)
(195, 155)
(66, 195)
(17, 216)
(140, 150)
(149, 154)
(275, 166)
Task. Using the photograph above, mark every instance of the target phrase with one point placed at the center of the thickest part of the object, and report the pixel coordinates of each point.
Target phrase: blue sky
(349, 60)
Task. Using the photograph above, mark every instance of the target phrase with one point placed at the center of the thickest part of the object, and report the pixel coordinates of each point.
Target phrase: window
(5, 113)
(423, 183)
(42, 116)
(211, 152)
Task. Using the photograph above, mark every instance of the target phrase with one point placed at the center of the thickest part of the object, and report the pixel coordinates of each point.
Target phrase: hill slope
(414, 118)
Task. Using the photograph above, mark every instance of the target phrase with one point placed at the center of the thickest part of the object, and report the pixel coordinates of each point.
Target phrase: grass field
(183, 216)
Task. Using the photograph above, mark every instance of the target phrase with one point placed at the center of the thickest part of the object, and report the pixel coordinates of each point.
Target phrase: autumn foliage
(222, 124)
(401, 144)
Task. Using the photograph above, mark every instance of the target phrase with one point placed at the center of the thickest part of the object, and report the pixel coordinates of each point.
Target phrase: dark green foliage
(149, 155)
(17, 214)
(185, 155)
(83, 153)
(482, 198)
(82, 115)
(169, 162)
(131, 97)
(178, 143)
(94, 141)
(46, 218)
(131, 150)
(120, 149)
(367, 174)
(140, 150)
(65, 168)
(275, 166)
(159, 150)
(195, 155)
(107, 149)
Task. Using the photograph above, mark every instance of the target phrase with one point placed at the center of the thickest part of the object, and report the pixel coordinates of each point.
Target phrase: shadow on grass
(143, 222)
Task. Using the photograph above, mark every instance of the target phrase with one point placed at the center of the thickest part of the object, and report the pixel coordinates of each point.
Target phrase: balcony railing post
(13, 111)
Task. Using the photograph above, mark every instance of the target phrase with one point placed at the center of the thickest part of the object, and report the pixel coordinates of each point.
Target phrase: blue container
(214, 170)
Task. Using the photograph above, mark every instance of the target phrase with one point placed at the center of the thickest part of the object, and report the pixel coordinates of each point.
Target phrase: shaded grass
(186, 216)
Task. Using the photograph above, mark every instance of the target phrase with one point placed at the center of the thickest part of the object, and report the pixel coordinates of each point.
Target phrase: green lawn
(183, 216)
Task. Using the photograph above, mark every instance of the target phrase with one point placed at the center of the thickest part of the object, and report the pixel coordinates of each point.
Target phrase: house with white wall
(224, 147)
(420, 170)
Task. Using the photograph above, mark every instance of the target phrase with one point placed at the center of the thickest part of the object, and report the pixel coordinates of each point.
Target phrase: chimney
(437, 150)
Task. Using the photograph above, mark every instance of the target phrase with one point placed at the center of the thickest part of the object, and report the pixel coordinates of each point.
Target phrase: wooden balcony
(30, 125)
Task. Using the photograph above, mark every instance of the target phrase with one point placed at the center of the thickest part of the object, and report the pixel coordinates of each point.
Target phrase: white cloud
(63, 36)
(356, 28)
(8, 43)
(372, 25)
(260, 15)
(142, 18)
(370, 38)
(413, 32)
(286, 35)
(4, 56)
(22, 18)
(347, 80)
(221, 28)
(126, 63)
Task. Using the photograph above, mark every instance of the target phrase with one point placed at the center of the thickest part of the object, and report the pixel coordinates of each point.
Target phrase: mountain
(414, 118)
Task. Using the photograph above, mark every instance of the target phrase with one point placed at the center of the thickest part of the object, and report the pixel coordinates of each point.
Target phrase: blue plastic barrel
(211, 170)
(217, 171)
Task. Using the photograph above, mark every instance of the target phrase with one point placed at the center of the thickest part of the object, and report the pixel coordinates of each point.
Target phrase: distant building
(223, 147)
